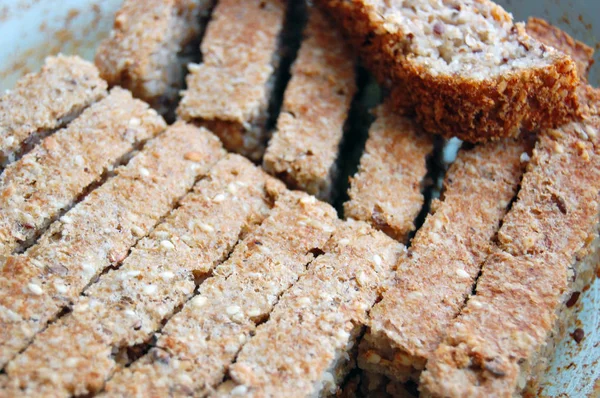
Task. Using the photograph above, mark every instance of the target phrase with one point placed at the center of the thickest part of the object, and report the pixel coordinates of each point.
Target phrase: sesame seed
(344, 241)
(150, 289)
(134, 272)
(193, 67)
(66, 219)
(134, 121)
(462, 273)
(342, 334)
(591, 132)
(558, 148)
(475, 303)
(162, 234)
(525, 157)
(206, 227)
(328, 228)
(232, 188)
(193, 156)
(199, 301)
(9, 140)
(60, 287)
(165, 244)
(253, 312)
(137, 231)
(35, 289)
(71, 362)
(242, 338)
(373, 358)
(82, 307)
(304, 301)
(239, 390)
(232, 309)
(167, 275)
(377, 259)
(437, 224)
(130, 313)
(144, 172)
(219, 198)
(307, 200)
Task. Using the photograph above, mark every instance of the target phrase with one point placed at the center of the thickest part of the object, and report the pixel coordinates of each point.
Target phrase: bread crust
(304, 149)
(386, 190)
(98, 232)
(454, 106)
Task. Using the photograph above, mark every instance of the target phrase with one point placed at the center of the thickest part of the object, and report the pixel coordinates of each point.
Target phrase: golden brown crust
(307, 343)
(444, 260)
(98, 232)
(386, 190)
(304, 149)
(491, 347)
(196, 345)
(582, 54)
(127, 306)
(233, 84)
(49, 179)
(44, 101)
(473, 110)
(141, 53)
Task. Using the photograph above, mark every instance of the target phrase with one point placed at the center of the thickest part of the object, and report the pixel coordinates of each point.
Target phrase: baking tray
(32, 29)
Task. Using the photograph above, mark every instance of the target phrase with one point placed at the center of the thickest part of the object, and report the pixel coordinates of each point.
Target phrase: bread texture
(98, 233)
(309, 341)
(45, 101)
(465, 68)
(197, 345)
(547, 249)
(229, 92)
(386, 190)
(51, 178)
(303, 151)
(444, 260)
(144, 50)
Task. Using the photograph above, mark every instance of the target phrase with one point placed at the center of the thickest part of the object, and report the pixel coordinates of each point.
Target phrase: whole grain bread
(464, 67)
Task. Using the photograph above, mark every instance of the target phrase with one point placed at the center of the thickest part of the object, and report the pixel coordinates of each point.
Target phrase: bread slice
(50, 179)
(126, 306)
(548, 248)
(309, 340)
(386, 190)
(44, 101)
(464, 67)
(582, 54)
(144, 50)
(229, 92)
(304, 149)
(444, 260)
(197, 345)
(98, 232)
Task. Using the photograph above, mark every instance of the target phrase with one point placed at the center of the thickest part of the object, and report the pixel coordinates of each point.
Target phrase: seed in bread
(143, 51)
(444, 260)
(386, 190)
(229, 91)
(195, 347)
(548, 247)
(98, 232)
(308, 341)
(464, 67)
(126, 306)
(582, 54)
(45, 101)
(48, 180)
(304, 149)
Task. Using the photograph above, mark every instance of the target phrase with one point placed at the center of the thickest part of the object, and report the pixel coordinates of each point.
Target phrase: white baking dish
(32, 29)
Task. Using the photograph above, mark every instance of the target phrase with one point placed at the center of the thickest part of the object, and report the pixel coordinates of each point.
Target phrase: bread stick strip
(196, 345)
(304, 149)
(49, 179)
(548, 247)
(98, 233)
(582, 54)
(229, 91)
(125, 307)
(143, 50)
(444, 260)
(306, 345)
(386, 191)
(45, 101)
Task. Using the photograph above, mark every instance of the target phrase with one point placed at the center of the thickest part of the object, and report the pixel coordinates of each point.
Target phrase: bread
(229, 92)
(304, 149)
(547, 249)
(465, 68)
(51, 178)
(126, 306)
(145, 49)
(98, 233)
(581, 53)
(44, 101)
(309, 340)
(444, 260)
(386, 190)
(197, 345)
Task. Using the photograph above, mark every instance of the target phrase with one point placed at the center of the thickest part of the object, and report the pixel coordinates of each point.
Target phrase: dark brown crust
(582, 54)
(471, 110)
